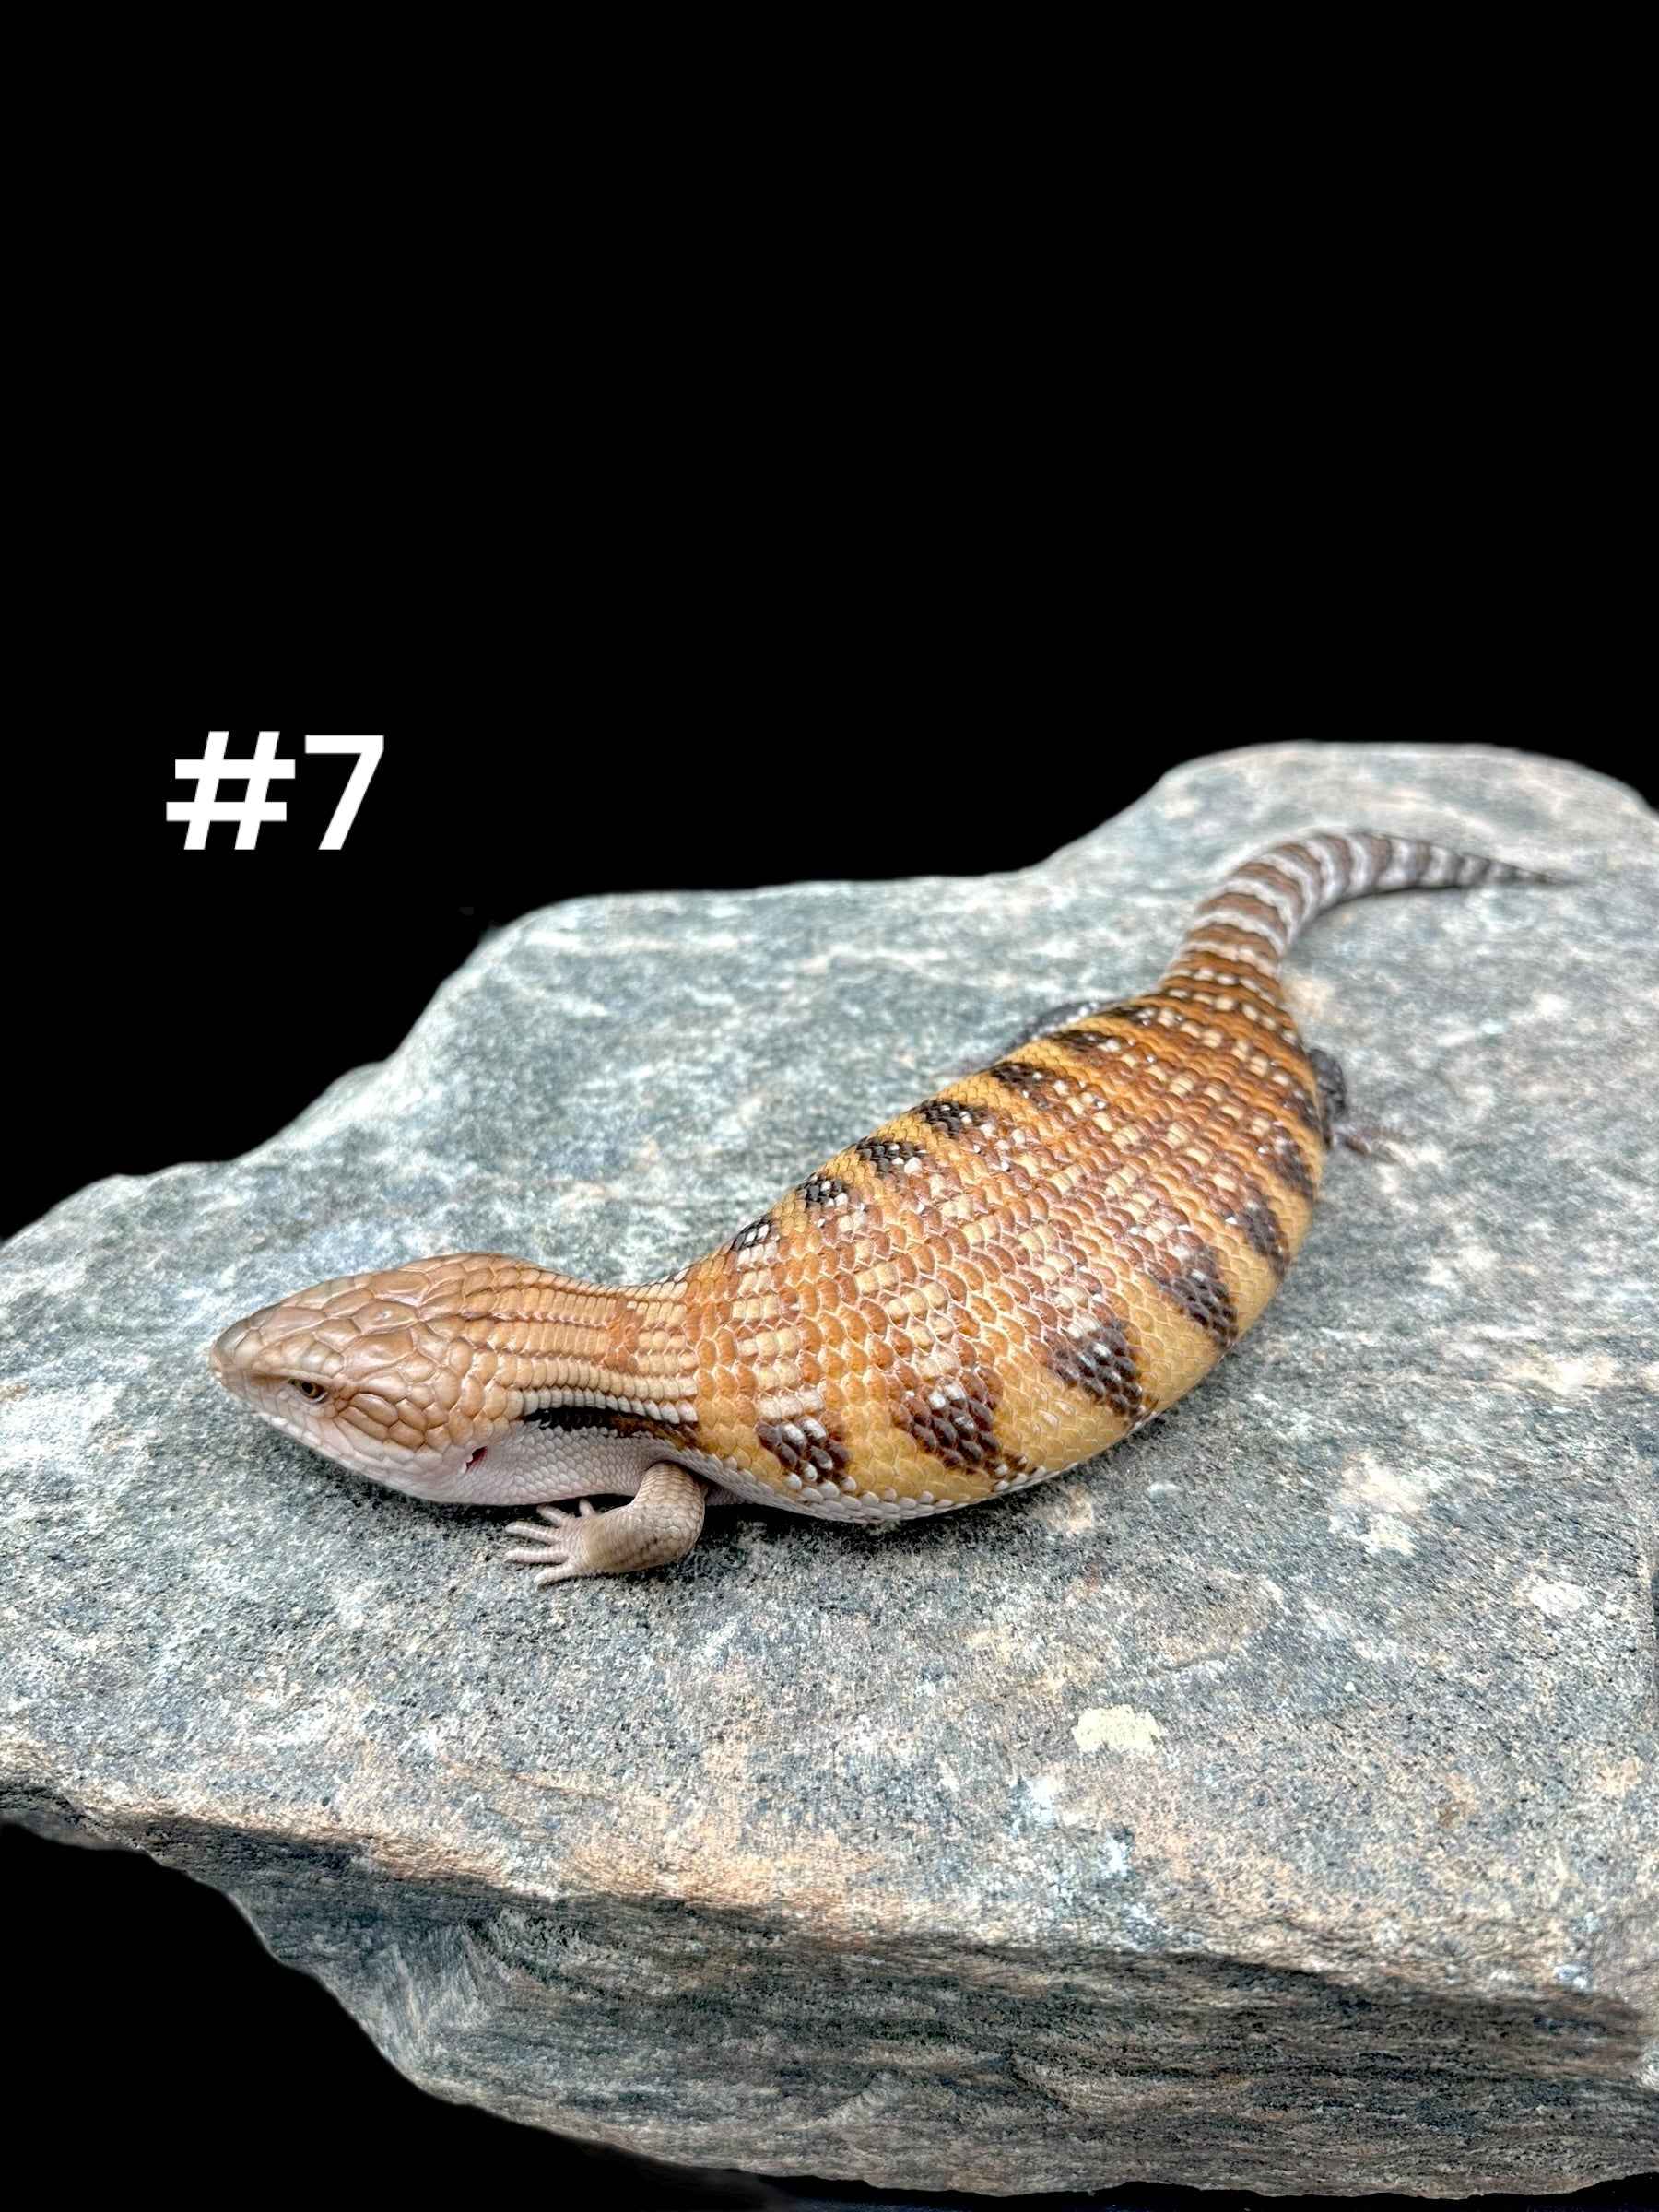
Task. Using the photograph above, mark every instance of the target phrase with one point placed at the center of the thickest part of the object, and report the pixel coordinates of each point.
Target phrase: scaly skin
(990, 1290)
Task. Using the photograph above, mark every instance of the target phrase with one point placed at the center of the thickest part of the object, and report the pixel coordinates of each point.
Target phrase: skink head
(387, 1374)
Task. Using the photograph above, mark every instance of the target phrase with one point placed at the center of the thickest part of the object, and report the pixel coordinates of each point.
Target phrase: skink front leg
(661, 1523)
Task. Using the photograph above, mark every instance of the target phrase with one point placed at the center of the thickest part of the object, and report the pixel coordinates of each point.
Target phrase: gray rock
(1271, 1806)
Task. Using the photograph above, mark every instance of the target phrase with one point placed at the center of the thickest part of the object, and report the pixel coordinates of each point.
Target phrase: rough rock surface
(1273, 1805)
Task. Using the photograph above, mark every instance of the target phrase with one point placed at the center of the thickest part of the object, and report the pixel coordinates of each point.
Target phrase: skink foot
(662, 1524)
(1343, 1124)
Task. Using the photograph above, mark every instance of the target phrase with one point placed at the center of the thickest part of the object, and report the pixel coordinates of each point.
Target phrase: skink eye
(310, 1390)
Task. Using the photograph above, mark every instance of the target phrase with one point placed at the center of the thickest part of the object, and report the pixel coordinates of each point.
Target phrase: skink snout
(221, 1352)
(253, 1357)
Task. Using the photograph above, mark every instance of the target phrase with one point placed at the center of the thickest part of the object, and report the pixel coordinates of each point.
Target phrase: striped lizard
(993, 1287)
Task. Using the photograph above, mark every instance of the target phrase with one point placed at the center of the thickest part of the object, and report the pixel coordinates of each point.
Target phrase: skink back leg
(1360, 1132)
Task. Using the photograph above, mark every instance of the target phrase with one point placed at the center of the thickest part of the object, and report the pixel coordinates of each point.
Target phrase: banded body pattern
(991, 1288)
(1262, 909)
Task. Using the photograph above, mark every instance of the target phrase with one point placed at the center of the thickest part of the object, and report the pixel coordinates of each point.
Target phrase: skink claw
(660, 1524)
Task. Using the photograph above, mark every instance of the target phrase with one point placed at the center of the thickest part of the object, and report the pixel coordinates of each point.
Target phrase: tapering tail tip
(1263, 906)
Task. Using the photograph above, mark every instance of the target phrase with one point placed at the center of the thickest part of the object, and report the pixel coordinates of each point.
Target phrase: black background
(185, 1006)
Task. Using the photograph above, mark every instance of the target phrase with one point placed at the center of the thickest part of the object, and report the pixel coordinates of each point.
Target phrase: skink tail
(1263, 906)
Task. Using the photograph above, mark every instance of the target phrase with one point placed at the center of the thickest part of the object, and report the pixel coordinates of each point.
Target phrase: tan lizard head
(377, 1372)
(470, 1378)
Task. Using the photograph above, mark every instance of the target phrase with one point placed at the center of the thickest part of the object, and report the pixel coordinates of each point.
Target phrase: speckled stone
(1272, 1805)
